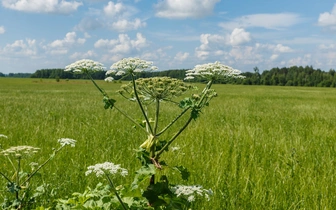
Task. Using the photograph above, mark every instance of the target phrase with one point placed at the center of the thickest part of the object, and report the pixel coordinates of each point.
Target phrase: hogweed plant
(18, 185)
(149, 94)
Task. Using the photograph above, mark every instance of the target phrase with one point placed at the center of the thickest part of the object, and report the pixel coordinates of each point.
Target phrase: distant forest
(286, 76)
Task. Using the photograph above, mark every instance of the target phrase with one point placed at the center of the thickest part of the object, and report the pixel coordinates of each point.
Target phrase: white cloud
(61, 46)
(301, 60)
(328, 19)
(123, 45)
(326, 47)
(279, 48)
(21, 48)
(112, 9)
(2, 30)
(211, 43)
(87, 55)
(269, 21)
(282, 49)
(177, 9)
(274, 57)
(42, 6)
(69, 39)
(119, 10)
(125, 25)
(180, 56)
(239, 36)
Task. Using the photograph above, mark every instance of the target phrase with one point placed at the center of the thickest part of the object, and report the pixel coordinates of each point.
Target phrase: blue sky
(174, 34)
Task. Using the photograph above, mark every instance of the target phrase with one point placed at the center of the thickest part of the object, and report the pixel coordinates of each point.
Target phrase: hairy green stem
(6, 177)
(100, 89)
(140, 105)
(18, 178)
(207, 87)
(115, 191)
(172, 122)
(130, 118)
(41, 166)
(157, 112)
(119, 110)
(173, 138)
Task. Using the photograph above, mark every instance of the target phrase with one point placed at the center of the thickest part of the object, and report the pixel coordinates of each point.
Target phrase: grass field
(256, 147)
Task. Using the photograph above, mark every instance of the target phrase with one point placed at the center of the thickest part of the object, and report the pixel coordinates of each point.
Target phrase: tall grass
(256, 147)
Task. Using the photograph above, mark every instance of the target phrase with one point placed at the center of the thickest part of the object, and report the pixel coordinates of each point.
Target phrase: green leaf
(185, 103)
(183, 171)
(109, 102)
(143, 174)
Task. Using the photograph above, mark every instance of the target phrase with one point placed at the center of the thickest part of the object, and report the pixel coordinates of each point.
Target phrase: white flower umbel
(132, 65)
(213, 71)
(101, 169)
(190, 192)
(85, 66)
(3, 136)
(67, 141)
(20, 151)
(108, 79)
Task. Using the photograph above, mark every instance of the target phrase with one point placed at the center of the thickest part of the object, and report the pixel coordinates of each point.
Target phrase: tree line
(286, 76)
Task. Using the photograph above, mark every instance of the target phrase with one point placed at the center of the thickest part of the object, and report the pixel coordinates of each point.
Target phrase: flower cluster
(20, 151)
(130, 66)
(190, 192)
(67, 141)
(108, 79)
(155, 88)
(85, 66)
(213, 71)
(107, 167)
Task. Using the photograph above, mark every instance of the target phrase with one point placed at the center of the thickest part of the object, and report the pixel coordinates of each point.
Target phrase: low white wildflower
(67, 141)
(85, 66)
(132, 65)
(174, 148)
(3, 136)
(108, 79)
(20, 151)
(213, 71)
(190, 192)
(33, 165)
(102, 168)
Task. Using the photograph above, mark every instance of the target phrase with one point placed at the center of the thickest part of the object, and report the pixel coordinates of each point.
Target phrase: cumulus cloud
(2, 30)
(61, 46)
(42, 6)
(327, 47)
(180, 56)
(328, 18)
(211, 43)
(239, 36)
(86, 55)
(124, 45)
(269, 21)
(274, 57)
(21, 47)
(304, 60)
(282, 49)
(125, 25)
(112, 9)
(177, 9)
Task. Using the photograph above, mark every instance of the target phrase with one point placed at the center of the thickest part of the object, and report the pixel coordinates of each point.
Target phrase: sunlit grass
(256, 147)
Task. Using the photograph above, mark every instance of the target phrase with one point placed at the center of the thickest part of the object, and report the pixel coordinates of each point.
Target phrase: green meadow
(256, 147)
